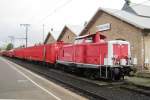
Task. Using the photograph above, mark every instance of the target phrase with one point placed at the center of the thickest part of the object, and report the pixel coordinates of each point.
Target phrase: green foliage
(9, 46)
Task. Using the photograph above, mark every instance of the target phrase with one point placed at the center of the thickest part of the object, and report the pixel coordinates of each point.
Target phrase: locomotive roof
(91, 35)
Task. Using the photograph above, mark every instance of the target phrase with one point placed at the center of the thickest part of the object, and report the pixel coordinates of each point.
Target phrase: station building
(131, 23)
(52, 37)
(69, 33)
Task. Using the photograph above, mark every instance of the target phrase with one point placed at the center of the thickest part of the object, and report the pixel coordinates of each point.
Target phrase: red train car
(18, 53)
(91, 55)
(43, 53)
(95, 57)
(9, 53)
(34, 53)
(51, 52)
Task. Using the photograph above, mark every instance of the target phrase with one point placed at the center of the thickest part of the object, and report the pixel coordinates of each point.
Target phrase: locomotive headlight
(115, 60)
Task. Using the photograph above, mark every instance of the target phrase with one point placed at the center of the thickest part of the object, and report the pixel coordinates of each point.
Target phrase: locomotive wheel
(115, 74)
(91, 74)
(56, 65)
(66, 69)
(94, 76)
(86, 73)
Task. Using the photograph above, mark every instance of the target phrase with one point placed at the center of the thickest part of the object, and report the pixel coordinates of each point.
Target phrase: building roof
(131, 18)
(54, 34)
(75, 28)
(47, 37)
(139, 9)
(138, 21)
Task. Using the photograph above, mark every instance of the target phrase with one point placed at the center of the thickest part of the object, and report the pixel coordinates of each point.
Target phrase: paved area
(144, 74)
(139, 81)
(141, 78)
(19, 83)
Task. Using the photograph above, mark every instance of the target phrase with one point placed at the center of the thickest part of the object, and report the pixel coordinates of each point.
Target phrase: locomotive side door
(44, 53)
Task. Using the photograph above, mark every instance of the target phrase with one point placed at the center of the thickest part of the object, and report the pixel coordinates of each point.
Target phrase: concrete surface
(19, 83)
(145, 82)
(144, 74)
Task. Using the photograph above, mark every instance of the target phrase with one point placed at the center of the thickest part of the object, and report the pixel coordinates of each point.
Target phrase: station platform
(19, 83)
(143, 74)
(141, 78)
(139, 81)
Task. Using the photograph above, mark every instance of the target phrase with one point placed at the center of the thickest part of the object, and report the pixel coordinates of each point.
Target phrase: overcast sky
(53, 13)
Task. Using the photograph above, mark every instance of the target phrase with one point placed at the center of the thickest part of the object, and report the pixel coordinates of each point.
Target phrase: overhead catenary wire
(69, 1)
(50, 14)
(55, 10)
(48, 10)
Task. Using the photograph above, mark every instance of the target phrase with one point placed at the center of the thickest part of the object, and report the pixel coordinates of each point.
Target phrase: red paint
(120, 51)
(89, 53)
(89, 49)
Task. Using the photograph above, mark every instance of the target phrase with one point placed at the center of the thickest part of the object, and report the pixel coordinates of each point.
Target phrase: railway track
(92, 89)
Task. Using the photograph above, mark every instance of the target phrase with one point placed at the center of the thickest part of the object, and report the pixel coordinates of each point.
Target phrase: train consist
(90, 55)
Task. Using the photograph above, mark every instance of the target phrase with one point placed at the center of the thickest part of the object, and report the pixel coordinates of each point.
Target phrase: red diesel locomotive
(90, 55)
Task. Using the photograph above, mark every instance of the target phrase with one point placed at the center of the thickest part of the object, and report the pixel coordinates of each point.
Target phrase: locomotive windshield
(84, 40)
(79, 41)
(89, 40)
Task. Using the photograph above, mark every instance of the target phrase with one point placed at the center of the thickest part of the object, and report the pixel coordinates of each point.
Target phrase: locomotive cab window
(84, 40)
(79, 41)
(89, 40)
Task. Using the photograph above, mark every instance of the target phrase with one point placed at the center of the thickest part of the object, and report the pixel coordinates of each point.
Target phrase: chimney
(127, 2)
(85, 23)
(126, 6)
(52, 29)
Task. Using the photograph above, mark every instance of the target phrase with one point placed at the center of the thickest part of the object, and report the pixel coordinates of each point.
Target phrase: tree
(9, 46)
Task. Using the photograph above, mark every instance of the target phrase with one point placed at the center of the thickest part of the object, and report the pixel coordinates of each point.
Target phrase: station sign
(103, 27)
